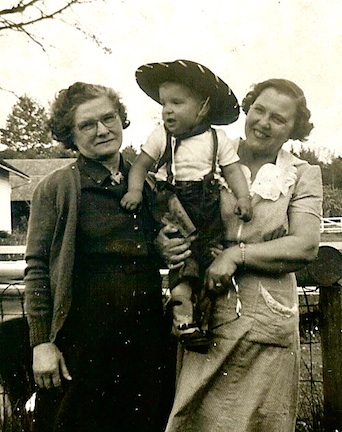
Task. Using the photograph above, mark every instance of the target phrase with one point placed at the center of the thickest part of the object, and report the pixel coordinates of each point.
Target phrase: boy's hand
(243, 208)
(131, 200)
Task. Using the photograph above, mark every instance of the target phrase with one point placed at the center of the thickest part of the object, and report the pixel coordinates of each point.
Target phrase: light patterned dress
(248, 381)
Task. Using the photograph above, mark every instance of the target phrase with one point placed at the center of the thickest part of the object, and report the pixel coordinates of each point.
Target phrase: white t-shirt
(193, 158)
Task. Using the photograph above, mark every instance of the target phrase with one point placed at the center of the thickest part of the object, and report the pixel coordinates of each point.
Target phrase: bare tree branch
(28, 34)
(88, 34)
(43, 16)
(9, 91)
(19, 8)
(27, 13)
(33, 38)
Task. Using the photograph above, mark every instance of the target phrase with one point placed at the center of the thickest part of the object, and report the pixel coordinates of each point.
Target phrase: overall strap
(167, 152)
(168, 156)
(215, 149)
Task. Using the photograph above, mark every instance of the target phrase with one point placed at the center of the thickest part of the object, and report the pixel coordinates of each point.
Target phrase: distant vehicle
(16, 381)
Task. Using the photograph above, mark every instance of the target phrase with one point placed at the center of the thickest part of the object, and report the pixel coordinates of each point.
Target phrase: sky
(242, 41)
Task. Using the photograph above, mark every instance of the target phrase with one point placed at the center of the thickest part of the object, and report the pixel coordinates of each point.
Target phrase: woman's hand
(174, 250)
(216, 250)
(48, 365)
(219, 273)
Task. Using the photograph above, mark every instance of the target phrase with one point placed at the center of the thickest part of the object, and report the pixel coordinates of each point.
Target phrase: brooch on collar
(116, 178)
(272, 180)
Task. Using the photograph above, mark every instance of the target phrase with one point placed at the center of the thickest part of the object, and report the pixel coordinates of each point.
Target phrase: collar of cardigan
(96, 171)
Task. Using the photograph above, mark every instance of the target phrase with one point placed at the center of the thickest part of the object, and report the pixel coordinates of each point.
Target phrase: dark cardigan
(50, 251)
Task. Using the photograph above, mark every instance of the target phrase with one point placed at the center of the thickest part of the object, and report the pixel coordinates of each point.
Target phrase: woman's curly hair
(62, 118)
(302, 126)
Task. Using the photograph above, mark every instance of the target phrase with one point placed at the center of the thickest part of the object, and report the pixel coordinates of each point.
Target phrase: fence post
(326, 271)
(331, 340)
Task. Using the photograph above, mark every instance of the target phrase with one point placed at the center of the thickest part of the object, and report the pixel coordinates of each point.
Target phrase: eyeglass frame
(92, 124)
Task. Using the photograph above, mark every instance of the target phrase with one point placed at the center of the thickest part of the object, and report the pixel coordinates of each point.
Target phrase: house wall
(5, 202)
(22, 190)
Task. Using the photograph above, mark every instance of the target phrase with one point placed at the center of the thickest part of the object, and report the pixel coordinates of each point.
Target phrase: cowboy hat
(224, 107)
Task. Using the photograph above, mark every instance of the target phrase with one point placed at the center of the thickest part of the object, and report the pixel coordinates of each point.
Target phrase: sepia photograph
(171, 216)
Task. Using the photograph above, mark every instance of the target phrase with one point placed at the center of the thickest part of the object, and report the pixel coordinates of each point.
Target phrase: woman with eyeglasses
(93, 290)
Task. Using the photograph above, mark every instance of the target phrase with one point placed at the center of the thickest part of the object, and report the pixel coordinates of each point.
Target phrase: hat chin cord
(203, 111)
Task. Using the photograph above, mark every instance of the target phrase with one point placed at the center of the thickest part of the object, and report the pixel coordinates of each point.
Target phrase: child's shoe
(196, 340)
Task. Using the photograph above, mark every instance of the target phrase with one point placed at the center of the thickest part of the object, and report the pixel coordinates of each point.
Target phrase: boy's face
(182, 107)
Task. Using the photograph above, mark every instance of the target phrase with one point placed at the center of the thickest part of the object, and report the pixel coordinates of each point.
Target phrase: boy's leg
(183, 310)
(185, 326)
(191, 310)
(182, 283)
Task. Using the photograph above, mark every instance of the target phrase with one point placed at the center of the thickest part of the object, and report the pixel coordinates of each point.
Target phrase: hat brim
(223, 103)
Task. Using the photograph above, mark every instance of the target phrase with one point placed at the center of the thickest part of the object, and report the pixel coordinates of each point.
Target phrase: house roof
(11, 169)
(36, 169)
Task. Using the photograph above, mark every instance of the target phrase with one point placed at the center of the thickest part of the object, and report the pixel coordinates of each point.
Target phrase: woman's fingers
(219, 285)
(64, 369)
(213, 280)
(216, 250)
(175, 249)
(47, 381)
(209, 281)
(171, 266)
(48, 364)
(56, 380)
(218, 275)
(38, 379)
(178, 253)
(167, 230)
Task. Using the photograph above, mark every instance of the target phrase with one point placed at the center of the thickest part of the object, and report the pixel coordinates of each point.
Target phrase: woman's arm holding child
(137, 175)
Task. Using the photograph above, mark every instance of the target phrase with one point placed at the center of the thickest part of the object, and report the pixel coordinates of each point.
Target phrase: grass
(331, 237)
(310, 407)
(17, 238)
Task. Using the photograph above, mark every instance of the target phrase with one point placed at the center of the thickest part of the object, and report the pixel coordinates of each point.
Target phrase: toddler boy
(191, 161)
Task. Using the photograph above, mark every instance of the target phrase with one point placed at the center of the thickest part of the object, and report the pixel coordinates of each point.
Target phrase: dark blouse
(104, 227)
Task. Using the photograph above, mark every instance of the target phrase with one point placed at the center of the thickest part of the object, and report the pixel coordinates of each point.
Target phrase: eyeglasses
(89, 127)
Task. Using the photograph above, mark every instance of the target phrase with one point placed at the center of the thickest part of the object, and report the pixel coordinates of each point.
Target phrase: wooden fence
(325, 273)
(331, 225)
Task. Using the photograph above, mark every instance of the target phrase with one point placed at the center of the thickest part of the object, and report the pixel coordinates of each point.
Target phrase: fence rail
(331, 225)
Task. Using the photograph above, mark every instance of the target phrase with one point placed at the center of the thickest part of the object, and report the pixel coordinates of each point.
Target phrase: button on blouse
(104, 226)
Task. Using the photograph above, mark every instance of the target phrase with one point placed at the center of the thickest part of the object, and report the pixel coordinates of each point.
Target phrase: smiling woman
(249, 378)
(93, 289)
(270, 122)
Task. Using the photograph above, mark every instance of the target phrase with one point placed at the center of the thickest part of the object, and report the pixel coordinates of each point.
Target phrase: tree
(129, 153)
(27, 135)
(332, 201)
(332, 173)
(26, 127)
(308, 155)
(24, 14)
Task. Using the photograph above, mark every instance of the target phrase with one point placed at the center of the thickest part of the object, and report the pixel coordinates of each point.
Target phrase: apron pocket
(273, 322)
